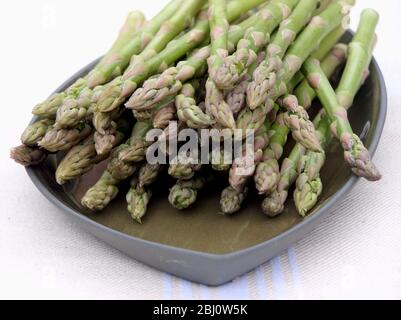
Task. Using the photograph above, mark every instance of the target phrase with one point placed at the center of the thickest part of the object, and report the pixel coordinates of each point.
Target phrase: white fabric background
(355, 253)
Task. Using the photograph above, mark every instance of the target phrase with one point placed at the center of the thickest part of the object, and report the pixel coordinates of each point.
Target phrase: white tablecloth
(355, 253)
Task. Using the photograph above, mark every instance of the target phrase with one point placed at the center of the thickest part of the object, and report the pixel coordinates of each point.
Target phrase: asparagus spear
(323, 4)
(172, 53)
(50, 106)
(163, 116)
(297, 120)
(170, 82)
(138, 199)
(309, 186)
(253, 119)
(234, 195)
(243, 168)
(36, 131)
(231, 200)
(319, 27)
(183, 171)
(63, 139)
(81, 158)
(216, 106)
(106, 133)
(236, 98)
(134, 46)
(187, 109)
(355, 153)
(221, 161)
(185, 192)
(144, 115)
(273, 205)
(264, 77)
(123, 87)
(102, 193)
(219, 34)
(106, 189)
(324, 48)
(136, 151)
(148, 174)
(28, 156)
(154, 58)
(268, 171)
(235, 66)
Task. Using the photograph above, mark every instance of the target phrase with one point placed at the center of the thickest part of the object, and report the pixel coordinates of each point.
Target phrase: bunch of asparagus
(252, 65)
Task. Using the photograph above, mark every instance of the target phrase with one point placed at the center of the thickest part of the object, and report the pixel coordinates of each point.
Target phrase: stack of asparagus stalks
(252, 65)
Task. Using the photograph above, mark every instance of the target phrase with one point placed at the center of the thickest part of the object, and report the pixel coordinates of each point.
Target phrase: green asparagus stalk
(164, 116)
(48, 108)
(63, 139)
(188, 111)
(319, 27)
(144, 115)
(243, 168)
(106, 189)
(153, 58)
(268, 171)
(27, 156)
(182, 171)
(323, 4)
(138, 199)
(133, 47)
(324, 49)
(273, 205)
(216, 106)
(218, 34)
(309, 185)
(236, 98)
(179, 48)
(265, 75)
(79, 160)
(148, 174)
(82, 158)
(170, 82)
(355, 153)
(106, 132)
(221, 161)
(101, 194)
(235, 66)
(36, 131)
(297, 120)
(136, 151)
(231, 200)
(185, 192)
